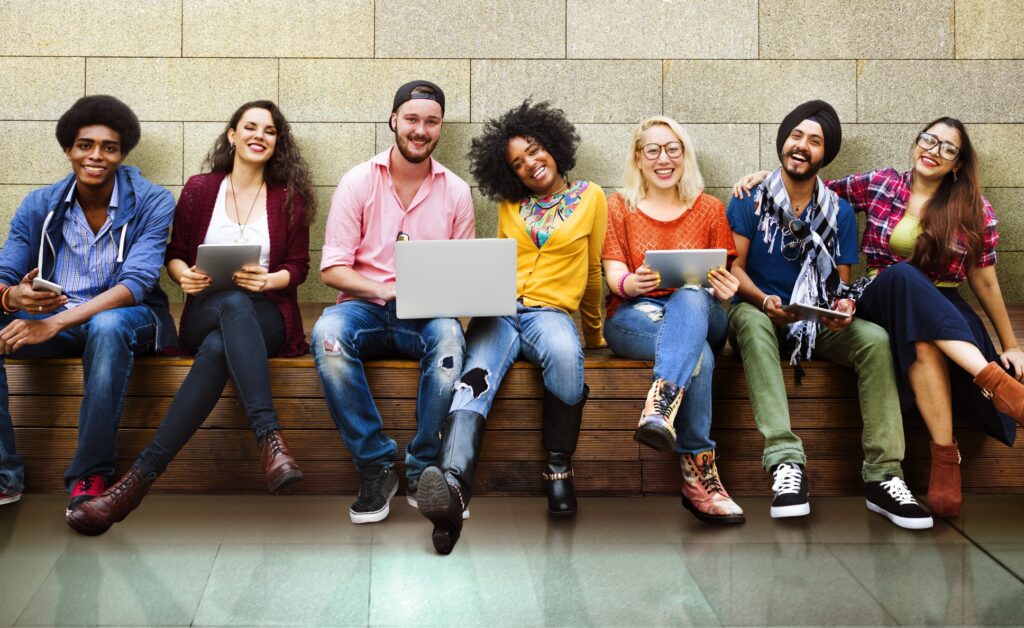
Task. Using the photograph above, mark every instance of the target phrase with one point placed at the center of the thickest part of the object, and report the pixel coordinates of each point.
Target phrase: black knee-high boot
(444, 490)
(561, 427)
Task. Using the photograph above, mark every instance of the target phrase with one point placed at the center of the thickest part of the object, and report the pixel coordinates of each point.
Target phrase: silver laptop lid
(455, 278)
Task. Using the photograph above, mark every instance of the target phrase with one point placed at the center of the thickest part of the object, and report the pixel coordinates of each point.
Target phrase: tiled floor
(247, 561)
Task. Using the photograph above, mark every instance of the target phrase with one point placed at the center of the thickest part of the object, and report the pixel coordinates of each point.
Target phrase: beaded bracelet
(622, 285)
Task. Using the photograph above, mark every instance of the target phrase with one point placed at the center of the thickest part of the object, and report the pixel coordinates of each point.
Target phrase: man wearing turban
(796, 241)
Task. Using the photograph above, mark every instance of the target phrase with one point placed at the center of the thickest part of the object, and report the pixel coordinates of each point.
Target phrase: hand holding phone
(41, 285)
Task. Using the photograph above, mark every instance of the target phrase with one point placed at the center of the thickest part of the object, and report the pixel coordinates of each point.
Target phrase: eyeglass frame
(940, 143)
(662, 148)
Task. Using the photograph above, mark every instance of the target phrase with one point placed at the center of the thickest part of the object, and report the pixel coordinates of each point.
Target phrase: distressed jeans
(353, 331)
(862, 346)
(107, 344)
(681, 333)
(545, 336)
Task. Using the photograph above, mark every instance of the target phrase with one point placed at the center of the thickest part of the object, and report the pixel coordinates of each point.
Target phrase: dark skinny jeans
(224, 327)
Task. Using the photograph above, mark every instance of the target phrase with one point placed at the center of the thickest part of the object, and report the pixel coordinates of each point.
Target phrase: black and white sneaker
(412, 487)
(894, 501)
(790, 487)
(380, 483)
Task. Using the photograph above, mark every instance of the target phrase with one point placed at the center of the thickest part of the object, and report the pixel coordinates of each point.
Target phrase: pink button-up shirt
(366, 217)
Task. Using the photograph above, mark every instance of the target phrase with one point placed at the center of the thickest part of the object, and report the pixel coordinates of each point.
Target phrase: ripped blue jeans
(681, 333)
(353, 331)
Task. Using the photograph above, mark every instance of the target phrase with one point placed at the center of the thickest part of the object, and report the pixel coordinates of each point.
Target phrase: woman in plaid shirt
(929, 229)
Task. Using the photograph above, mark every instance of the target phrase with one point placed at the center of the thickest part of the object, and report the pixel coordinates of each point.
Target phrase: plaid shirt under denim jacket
(883, 196)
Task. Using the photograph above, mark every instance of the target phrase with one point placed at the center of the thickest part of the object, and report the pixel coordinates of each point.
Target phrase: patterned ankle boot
(703, 493)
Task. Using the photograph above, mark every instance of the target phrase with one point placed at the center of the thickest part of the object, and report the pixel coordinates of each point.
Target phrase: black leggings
(224, 327)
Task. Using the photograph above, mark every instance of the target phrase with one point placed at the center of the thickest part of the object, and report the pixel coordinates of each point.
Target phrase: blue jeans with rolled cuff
(107, 344)
(681, 333)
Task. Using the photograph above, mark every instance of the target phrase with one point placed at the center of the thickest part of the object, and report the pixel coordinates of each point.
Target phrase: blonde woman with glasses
(664, 206)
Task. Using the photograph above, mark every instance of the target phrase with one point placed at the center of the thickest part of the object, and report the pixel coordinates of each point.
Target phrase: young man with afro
(96, 238)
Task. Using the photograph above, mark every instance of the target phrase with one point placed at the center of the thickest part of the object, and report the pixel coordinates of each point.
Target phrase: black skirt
(912, 309)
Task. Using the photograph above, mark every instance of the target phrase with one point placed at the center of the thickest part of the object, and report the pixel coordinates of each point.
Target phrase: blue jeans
(681, 333)
(545, 336)
(353, 331)
(107, 344)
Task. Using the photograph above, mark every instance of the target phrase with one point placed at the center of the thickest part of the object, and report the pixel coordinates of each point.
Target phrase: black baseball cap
(404, 94)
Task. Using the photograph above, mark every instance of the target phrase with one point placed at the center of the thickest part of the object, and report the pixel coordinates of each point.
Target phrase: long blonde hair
(690, 185)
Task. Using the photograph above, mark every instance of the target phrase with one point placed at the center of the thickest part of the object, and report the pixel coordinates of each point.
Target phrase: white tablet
(221, 261)
(685, 267)
(812, 313)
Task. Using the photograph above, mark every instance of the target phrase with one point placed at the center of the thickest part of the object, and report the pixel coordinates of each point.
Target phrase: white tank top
(223, 230)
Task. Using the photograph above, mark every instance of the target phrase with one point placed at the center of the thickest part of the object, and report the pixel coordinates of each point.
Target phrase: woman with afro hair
(521, 159)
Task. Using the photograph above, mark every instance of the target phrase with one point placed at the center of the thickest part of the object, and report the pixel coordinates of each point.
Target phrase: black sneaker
(894, 501)
(789, 483)
(380, 483)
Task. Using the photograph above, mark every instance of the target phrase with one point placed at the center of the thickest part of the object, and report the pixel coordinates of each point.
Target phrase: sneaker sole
(904, 522)
(412, 502)
(655, 437)
(718, 519)
(377, 515)
(10, 499)
(796, 510)
(287, 479)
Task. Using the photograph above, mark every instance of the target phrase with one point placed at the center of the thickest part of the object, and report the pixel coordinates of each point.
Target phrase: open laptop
(455, 278)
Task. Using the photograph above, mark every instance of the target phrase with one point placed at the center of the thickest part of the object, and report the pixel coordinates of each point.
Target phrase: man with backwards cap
(401, 194)
(795, 241)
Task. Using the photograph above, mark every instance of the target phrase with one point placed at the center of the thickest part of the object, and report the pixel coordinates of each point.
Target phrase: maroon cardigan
(289, 247)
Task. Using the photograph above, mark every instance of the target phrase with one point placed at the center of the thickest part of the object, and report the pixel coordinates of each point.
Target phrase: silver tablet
(687, 267)
(812, 313)
(221, 261)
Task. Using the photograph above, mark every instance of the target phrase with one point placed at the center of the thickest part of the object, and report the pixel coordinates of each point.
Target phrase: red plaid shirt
(883, 196)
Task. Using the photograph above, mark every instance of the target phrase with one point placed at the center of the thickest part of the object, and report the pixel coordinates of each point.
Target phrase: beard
(414, 158)
(812, 166)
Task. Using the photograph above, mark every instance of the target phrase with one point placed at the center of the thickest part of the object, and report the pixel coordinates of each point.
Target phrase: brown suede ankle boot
(1006, 393)
(944, 496)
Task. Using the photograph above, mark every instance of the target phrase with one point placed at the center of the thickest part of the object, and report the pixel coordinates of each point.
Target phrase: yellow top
(565, 273)
(903, 240)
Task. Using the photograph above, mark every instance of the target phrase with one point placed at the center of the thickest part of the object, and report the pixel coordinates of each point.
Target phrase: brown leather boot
(278, 465)
(1006, 393)
(95, 516)
(944, 498)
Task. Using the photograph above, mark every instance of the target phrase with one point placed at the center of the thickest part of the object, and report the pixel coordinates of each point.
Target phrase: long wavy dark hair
(286, 167)
(955, 216)
(540, 122)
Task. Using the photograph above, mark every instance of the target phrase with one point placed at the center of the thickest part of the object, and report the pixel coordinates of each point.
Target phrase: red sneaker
(8, 496)
(85, 489)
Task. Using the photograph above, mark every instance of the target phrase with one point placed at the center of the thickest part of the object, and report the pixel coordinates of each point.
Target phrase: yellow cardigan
(565, 273)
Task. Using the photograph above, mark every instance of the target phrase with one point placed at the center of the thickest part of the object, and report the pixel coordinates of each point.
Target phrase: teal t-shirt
(770, 270)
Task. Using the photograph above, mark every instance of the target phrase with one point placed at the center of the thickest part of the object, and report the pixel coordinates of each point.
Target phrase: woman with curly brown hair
(521, 159)
(258, 191)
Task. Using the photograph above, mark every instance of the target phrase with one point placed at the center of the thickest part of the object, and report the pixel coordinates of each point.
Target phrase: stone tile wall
(729, 70)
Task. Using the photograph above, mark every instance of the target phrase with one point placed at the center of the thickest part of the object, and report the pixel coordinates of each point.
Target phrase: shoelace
(84, 485)
(118, 490)
(787, 479)
(372, 481)
(709, 480)
(663, 401)
(273, 439)
(898, 490)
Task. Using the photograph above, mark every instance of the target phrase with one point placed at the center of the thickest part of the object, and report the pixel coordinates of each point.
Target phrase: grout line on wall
(181, 30)
(565, 27)
(954, 29)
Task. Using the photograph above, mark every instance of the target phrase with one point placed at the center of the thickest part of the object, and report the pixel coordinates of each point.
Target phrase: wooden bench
(223, 457)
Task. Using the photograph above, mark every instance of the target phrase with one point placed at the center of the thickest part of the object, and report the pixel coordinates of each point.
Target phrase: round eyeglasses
(947, 150)
(652, 151)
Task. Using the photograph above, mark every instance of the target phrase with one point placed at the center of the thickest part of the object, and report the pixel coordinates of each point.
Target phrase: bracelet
(765, 302)
(3, 301)
(853, 304)
(622, 285)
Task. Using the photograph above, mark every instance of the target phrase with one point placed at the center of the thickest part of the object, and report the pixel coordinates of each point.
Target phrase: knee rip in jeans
(332, 346)
(475, 381)
(652, 311)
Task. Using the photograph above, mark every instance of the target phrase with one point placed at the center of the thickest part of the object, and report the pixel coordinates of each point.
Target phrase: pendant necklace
(241, 225)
